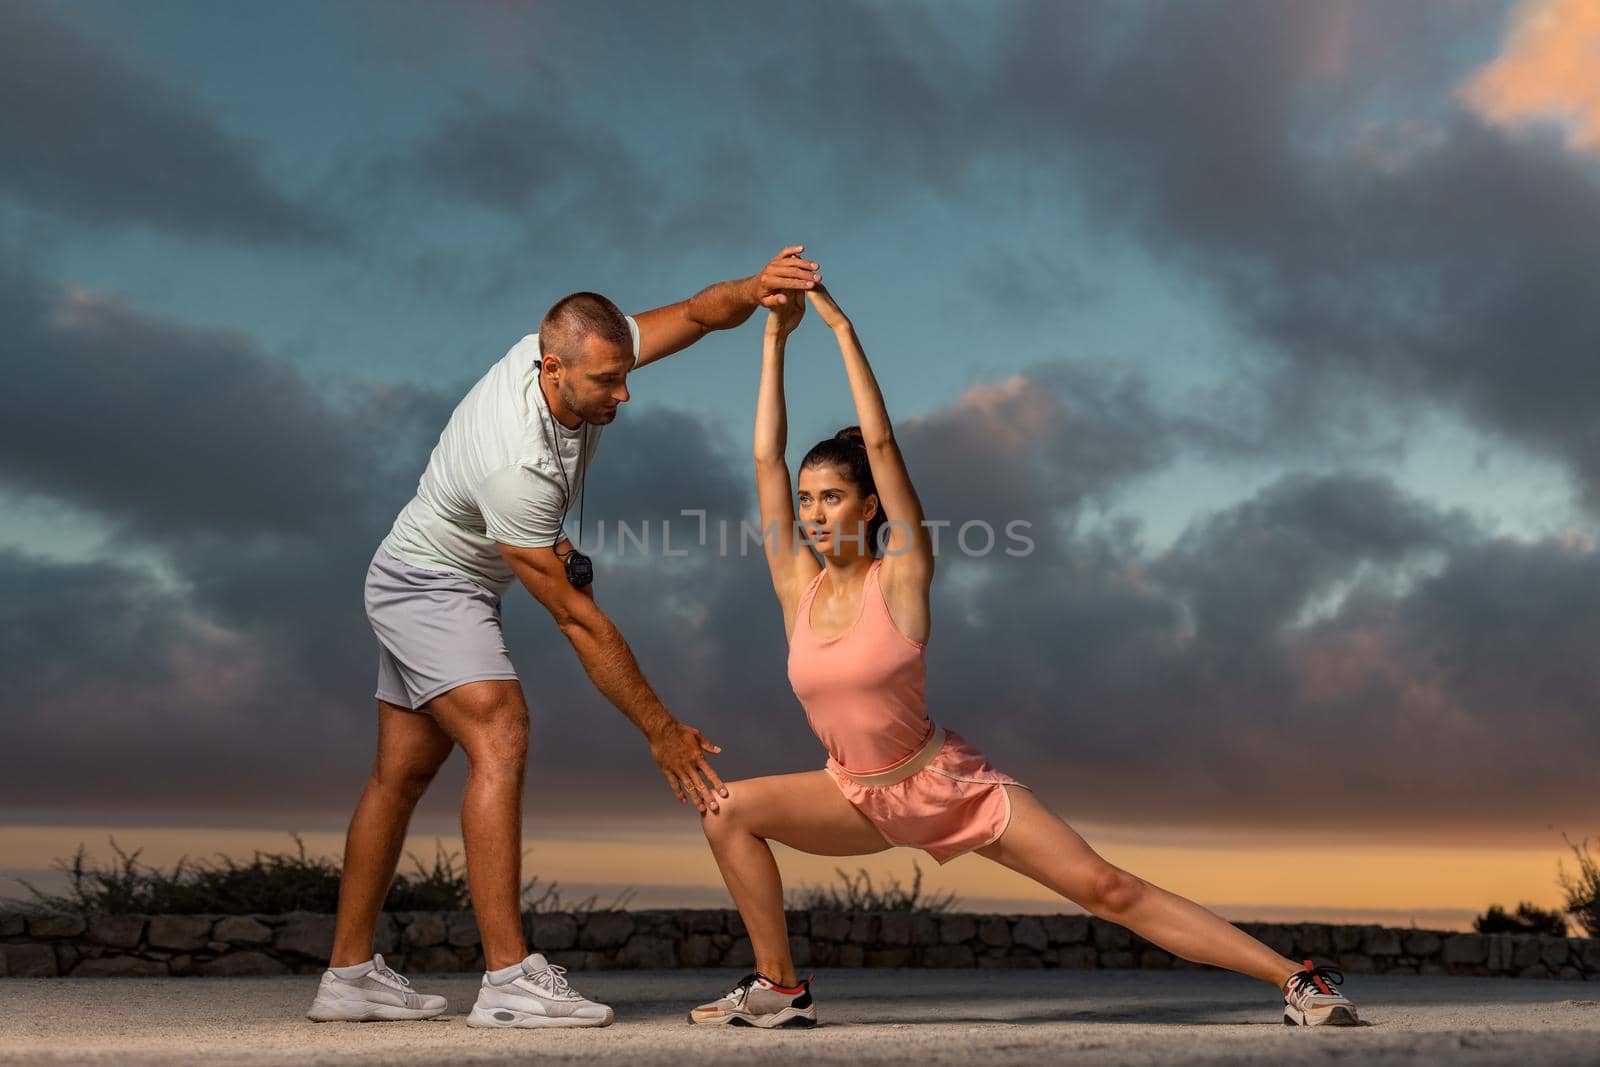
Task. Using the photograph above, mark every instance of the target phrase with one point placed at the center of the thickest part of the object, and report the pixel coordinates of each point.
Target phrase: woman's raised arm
(791, 564)
(908, 553)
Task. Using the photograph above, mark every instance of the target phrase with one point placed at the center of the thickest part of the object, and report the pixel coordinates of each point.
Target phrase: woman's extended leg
(804, 811)
(1040, 845)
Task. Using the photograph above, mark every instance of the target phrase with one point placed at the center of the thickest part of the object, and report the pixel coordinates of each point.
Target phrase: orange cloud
(1549, 69)
(1014, 411)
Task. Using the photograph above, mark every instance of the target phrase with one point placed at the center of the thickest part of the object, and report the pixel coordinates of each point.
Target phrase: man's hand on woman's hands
(781, 281)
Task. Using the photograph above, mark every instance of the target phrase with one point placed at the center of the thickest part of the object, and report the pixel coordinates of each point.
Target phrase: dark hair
(578, 316)
(847, 450)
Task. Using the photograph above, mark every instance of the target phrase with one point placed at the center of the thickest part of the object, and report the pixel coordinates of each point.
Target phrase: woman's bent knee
(728, 819)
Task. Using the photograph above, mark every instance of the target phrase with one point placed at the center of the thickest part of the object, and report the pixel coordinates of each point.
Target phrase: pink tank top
(863, 691)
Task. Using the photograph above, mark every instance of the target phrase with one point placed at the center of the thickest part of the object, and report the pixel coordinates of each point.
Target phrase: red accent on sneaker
(1317, 978)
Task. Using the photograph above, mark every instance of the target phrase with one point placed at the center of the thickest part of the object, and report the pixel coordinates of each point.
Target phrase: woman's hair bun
(852, 434)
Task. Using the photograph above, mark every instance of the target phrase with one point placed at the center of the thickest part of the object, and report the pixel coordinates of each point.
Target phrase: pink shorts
(944, 799)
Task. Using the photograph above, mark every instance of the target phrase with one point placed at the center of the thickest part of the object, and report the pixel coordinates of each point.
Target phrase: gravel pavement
(869, 1016)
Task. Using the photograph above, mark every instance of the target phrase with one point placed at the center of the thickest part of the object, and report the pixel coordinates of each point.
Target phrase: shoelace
(1308, 977)
(393, 975)
(556, 981)
(741, 989)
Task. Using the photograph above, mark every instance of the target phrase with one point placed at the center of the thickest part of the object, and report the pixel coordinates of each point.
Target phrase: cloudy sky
(1277, 320)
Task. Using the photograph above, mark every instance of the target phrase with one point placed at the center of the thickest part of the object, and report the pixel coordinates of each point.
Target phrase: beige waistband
(905, 768)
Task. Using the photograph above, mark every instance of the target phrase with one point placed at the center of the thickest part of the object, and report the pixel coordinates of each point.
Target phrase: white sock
(355, 971)
(505, 974)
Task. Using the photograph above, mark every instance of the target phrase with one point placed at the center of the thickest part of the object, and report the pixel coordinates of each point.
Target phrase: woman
(857, 624)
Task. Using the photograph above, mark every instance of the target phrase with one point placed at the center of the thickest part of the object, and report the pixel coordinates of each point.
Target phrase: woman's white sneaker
(378, 995)
(1310, 1000)
(536, 995)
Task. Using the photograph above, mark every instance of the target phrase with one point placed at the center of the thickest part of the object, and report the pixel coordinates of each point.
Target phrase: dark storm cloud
(263, 493)
(58, 615)
(126, 687)
(611, 148)
(174, 429)
(1195, 686)
(658, 463)
(1244, 573)
(94, 139)
(1397, 255)
(530, 154)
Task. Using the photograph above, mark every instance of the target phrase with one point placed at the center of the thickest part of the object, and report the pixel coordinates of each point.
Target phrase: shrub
(1527, 919)
(549, 898)
(1583, 887)
(270, 883)
(858, 893)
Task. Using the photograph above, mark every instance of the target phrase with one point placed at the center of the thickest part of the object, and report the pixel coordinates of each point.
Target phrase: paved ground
(926, 1017)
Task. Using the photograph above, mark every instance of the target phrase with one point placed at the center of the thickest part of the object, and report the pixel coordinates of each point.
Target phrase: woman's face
(832, 511)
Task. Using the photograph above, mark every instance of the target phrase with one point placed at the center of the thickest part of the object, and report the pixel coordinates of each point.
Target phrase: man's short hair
(576, 317)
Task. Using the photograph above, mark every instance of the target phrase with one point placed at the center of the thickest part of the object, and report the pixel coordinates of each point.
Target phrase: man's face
(594, 385)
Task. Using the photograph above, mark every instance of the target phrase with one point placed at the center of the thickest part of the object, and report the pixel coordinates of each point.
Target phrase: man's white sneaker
(378, 995)
(1309, 999)
(537, 996)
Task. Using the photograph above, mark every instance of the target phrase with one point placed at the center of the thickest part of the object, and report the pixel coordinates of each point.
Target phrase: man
(490, 508)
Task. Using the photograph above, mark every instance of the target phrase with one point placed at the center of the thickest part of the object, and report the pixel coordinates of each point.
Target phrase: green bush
(858, 893)
(1527, 919)
(269, 883)
(1583, 887)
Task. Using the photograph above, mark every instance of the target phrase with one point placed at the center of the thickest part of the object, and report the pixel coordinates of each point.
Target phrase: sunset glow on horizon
(1439, 887)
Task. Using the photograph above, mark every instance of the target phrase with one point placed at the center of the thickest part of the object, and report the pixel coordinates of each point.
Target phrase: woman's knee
(1112, 891)
(729, 818)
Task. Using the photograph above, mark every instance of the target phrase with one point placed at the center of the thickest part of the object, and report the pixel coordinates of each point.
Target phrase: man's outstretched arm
(723, 306)
(679, 750)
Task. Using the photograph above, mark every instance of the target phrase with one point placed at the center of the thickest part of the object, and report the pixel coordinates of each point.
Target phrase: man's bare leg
(489, 720)
(411, 748)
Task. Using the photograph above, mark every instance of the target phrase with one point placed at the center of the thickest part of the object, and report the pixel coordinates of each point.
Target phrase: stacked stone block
(39, 945)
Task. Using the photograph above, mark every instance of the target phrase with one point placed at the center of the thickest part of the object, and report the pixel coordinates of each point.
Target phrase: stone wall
(50, 944)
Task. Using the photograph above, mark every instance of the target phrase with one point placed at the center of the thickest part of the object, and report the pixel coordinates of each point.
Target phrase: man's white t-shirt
(493, 476)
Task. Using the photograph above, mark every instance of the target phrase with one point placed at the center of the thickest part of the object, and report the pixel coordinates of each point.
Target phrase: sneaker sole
(787, 1019)
(365, 1011)
(509, 1019)
(1332, 1017)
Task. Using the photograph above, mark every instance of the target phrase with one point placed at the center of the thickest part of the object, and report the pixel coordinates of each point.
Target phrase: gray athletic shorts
(435, 631)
